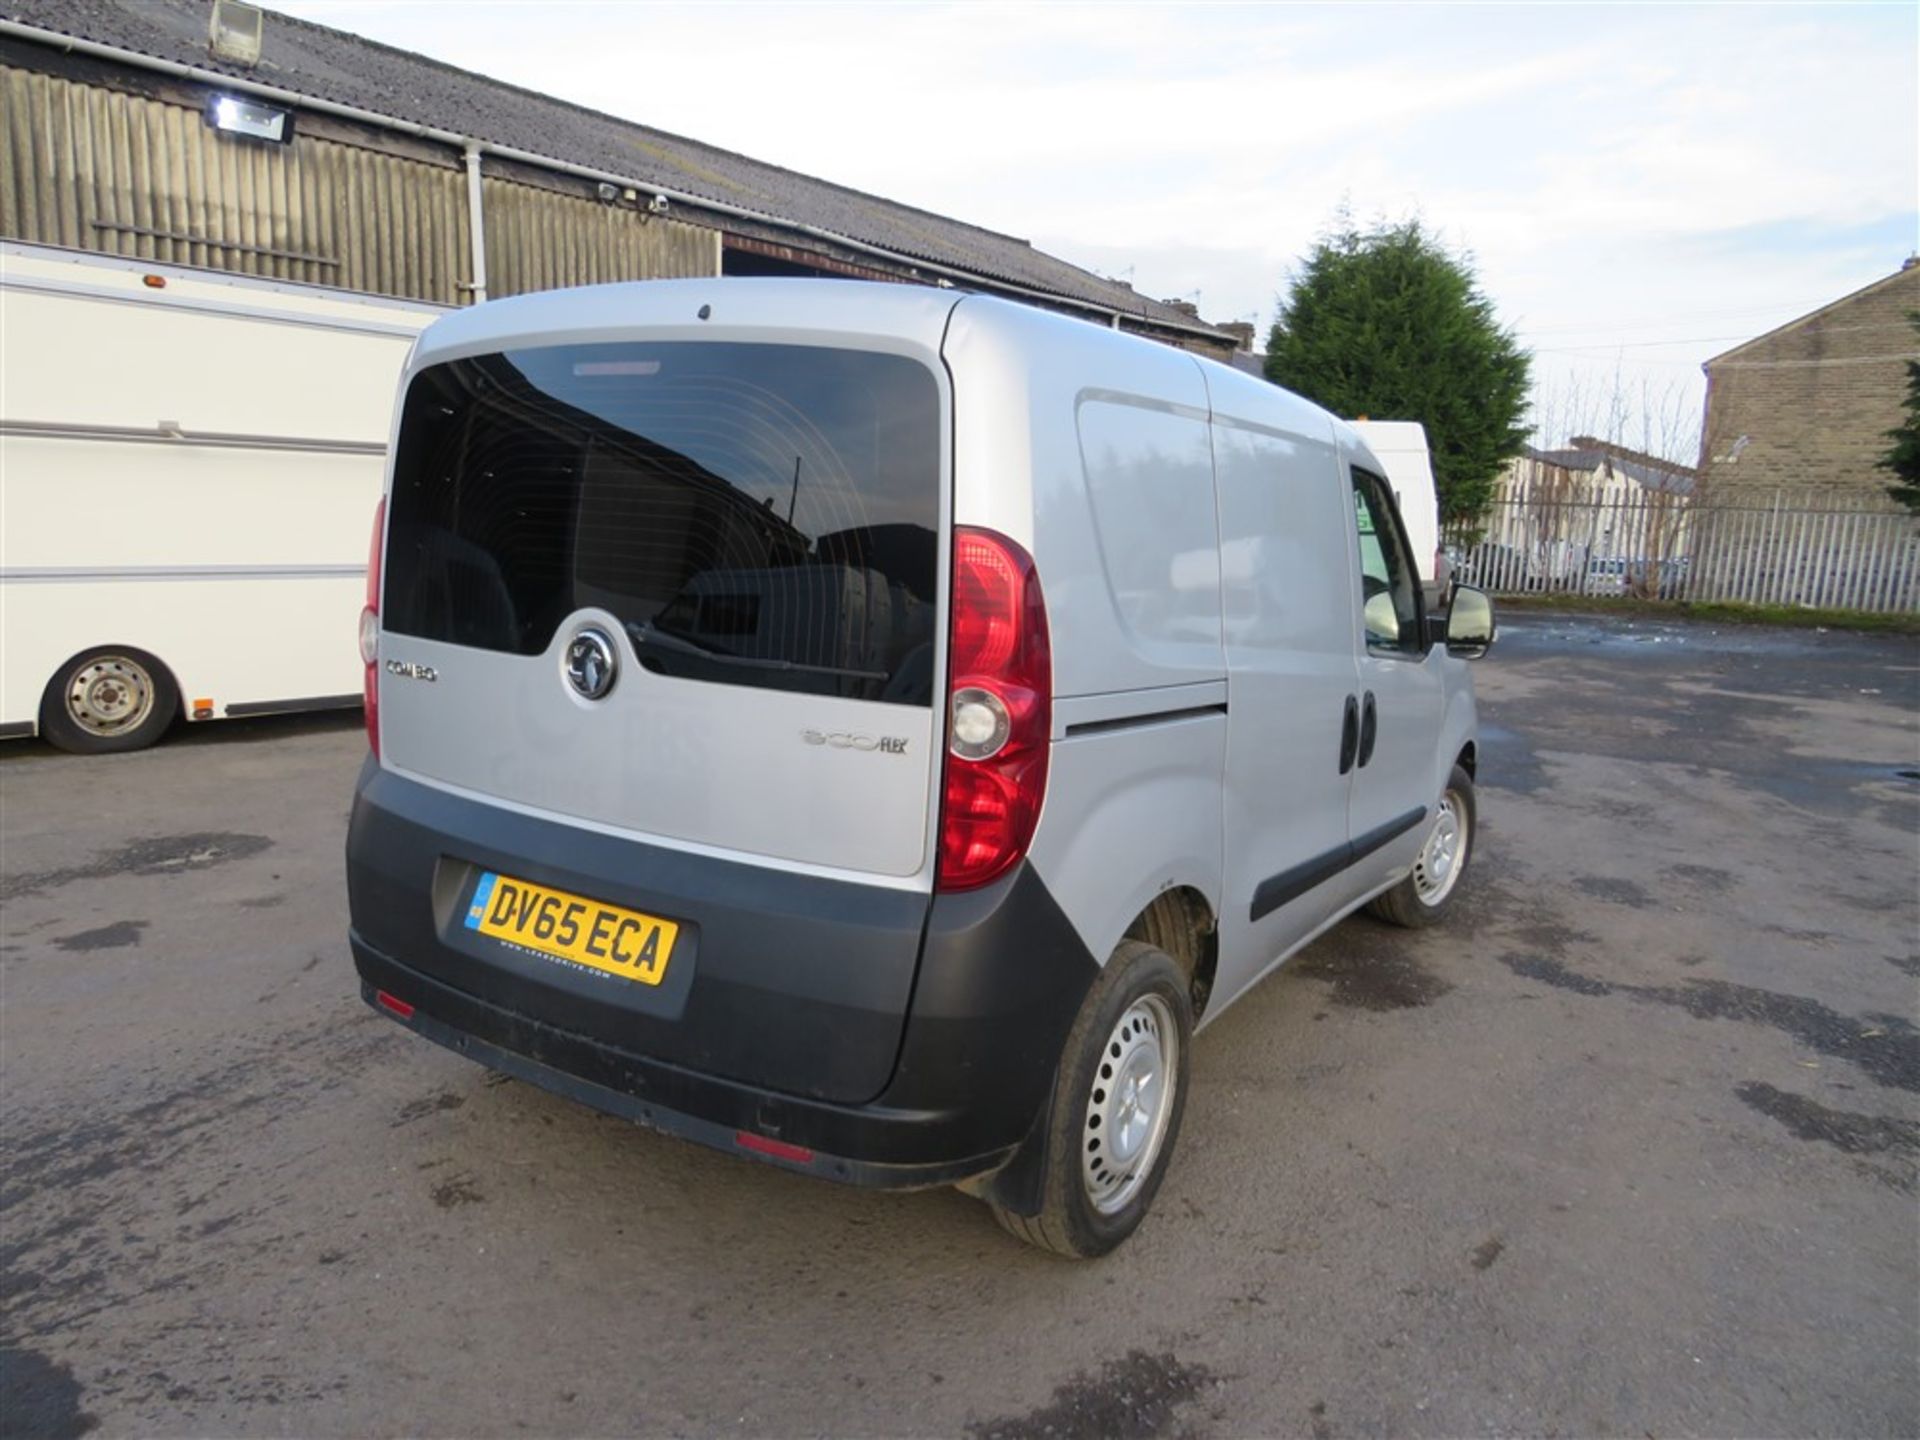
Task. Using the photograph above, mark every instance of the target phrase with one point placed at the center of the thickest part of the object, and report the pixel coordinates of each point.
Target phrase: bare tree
(1632, 503)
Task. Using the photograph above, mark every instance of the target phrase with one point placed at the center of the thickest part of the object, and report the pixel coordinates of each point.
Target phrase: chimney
(1242, 332)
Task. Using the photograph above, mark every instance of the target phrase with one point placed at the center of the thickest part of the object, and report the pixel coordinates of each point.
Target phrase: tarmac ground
(1628, 1146)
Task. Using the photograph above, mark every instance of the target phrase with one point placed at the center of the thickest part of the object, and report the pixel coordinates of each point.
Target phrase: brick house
(1806, 407)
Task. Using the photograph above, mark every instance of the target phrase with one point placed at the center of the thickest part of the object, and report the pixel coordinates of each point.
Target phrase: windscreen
(762, 515)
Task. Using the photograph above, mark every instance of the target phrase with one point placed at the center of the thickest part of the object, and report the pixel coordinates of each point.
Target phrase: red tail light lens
(999, 711)
(370, 630)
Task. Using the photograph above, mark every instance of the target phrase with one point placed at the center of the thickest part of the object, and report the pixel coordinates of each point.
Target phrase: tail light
(370, 630)
(999, 711)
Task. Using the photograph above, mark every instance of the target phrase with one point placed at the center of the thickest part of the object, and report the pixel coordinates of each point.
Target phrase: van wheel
(1425, 895)
(109, 699)
(1118, 1097)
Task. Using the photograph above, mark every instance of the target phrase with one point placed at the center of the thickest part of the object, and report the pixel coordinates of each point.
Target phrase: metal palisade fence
(1841, 552)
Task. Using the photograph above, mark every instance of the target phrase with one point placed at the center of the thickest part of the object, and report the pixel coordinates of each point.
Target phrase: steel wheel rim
(1129, 1104)
(109, 696)
(1444, 855)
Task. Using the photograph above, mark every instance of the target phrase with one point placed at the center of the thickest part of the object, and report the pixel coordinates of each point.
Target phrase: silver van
(870, 729)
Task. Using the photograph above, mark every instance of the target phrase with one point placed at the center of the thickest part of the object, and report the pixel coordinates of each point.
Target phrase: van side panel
(1149, 473)
(1091, 450)
(1288, 590)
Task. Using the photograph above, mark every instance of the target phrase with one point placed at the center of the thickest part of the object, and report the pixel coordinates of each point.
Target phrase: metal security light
(250, 118)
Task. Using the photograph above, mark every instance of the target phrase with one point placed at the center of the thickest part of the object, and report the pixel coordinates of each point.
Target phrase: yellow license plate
(573, 928)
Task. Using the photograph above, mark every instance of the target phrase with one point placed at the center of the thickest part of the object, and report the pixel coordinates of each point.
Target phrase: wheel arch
(1181, 921)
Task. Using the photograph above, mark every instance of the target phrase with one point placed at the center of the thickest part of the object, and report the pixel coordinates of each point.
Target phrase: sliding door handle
(1369, 728)
(1349, 734)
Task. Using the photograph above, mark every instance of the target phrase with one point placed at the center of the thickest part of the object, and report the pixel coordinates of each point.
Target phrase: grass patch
(1798, 617)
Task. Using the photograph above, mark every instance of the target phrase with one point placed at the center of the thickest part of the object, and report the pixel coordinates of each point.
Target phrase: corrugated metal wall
(540, 240)
(96, 169)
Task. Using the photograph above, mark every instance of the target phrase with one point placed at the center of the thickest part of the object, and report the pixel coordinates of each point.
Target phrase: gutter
(472, 148)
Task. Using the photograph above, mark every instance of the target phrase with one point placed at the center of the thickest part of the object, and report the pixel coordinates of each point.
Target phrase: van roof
(800, 306)
(818, 308)
(1238, 395)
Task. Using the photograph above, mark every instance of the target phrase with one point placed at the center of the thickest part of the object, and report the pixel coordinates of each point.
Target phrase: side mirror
(1470, 626)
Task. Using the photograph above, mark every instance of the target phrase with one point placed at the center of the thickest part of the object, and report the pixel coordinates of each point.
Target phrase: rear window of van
(760, 515)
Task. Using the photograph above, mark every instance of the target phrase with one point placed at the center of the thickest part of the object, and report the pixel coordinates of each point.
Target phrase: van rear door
(682, 590)
(661, 639)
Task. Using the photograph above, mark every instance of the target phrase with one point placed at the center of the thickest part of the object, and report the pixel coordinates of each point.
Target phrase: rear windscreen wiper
(645, 633)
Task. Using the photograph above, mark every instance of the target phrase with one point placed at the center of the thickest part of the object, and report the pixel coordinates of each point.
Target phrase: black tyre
(1426, 895)
(107, 699)
(1118, 1098)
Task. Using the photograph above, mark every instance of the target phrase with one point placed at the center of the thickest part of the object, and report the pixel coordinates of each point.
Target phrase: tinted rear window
(752, 514)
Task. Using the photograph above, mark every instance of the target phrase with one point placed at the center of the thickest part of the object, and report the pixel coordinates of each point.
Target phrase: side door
(1287, 626)
(1401, 693)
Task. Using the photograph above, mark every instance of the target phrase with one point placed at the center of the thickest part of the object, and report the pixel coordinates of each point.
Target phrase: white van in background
(1401, 446)
(869, 729)
(190, 459)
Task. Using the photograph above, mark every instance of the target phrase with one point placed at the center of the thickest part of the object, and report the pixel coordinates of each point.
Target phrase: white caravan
(869, 729)
(1401, 446)
(188, 461)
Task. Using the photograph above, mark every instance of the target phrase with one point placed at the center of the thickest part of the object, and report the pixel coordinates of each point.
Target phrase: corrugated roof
(333, 65)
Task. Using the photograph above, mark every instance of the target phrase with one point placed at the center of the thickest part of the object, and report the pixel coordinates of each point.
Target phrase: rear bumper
(727, 1116)
(775, 1038)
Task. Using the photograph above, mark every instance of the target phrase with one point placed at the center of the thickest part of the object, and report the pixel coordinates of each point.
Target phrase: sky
(1640, 187)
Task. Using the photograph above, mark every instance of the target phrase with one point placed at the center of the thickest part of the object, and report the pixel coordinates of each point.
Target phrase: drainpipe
(476, 224)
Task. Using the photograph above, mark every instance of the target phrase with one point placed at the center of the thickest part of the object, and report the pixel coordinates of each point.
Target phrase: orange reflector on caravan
(154, 282)
(203, 709)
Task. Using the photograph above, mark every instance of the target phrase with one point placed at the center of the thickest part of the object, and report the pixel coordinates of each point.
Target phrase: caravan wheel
(110, 699)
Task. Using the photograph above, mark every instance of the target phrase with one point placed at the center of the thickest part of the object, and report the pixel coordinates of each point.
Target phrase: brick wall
(1815, 399)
